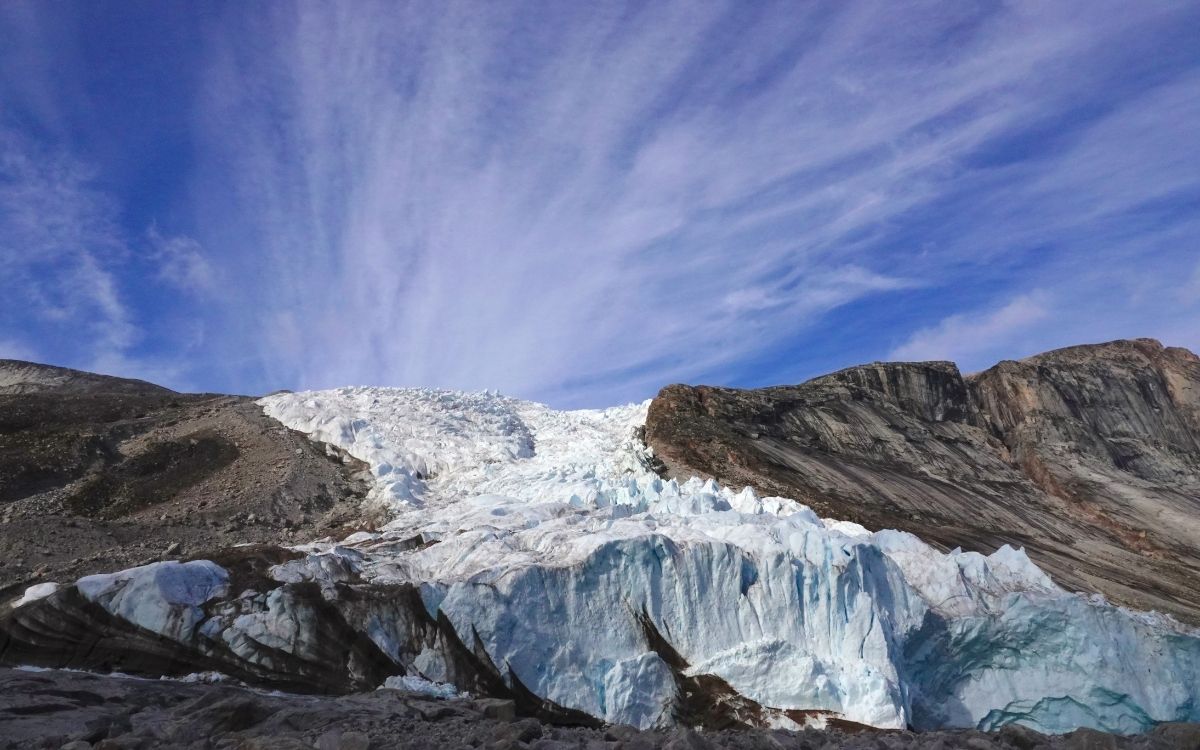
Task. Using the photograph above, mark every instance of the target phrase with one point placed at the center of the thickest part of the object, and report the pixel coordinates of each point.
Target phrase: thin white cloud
(581, 202)
(1189, 293)
(171, 371)
(480, 198)
(64, 293)
(58, 245)
(963, 337)
(11, 349)
(181, 262)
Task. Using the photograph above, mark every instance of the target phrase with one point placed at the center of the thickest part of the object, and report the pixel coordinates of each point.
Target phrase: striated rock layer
(1088, 457)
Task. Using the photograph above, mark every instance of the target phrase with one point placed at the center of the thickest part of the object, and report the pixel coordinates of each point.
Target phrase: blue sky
(582, 202)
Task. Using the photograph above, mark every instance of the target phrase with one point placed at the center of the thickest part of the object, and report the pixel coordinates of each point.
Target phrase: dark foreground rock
(79, 711)
(1088, 457)
(99, 474)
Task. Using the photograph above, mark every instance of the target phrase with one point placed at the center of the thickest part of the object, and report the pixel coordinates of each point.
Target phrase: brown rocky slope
(100, 473)
(1088, 457)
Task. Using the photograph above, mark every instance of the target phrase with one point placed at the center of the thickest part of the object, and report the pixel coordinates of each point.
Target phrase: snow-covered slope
(546, 538)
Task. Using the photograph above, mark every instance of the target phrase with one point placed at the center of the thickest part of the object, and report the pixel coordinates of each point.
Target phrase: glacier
(546, 541)
(553, 536)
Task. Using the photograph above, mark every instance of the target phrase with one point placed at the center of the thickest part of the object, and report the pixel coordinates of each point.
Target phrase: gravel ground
(75, 710)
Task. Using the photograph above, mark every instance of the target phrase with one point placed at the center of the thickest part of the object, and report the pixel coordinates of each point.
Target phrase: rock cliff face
(1089, 457)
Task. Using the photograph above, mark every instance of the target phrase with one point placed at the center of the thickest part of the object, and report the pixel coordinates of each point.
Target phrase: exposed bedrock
(1089, 457)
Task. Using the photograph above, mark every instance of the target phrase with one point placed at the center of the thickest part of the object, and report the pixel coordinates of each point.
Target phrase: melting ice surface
(547, 533)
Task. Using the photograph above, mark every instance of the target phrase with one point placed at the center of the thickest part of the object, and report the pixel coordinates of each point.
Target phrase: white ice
(35, 592)
(164, 597)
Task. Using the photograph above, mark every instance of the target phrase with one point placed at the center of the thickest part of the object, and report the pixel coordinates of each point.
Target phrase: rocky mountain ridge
(18, 376)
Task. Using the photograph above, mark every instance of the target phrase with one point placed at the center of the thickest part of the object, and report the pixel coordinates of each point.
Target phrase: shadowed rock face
(1089, 457)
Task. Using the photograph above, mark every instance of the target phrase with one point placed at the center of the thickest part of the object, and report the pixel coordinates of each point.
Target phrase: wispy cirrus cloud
(81, 284)
(69, 267)
(181, 262)
(581, 203)
(58, 240)
(962, 336)
(10, 349)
